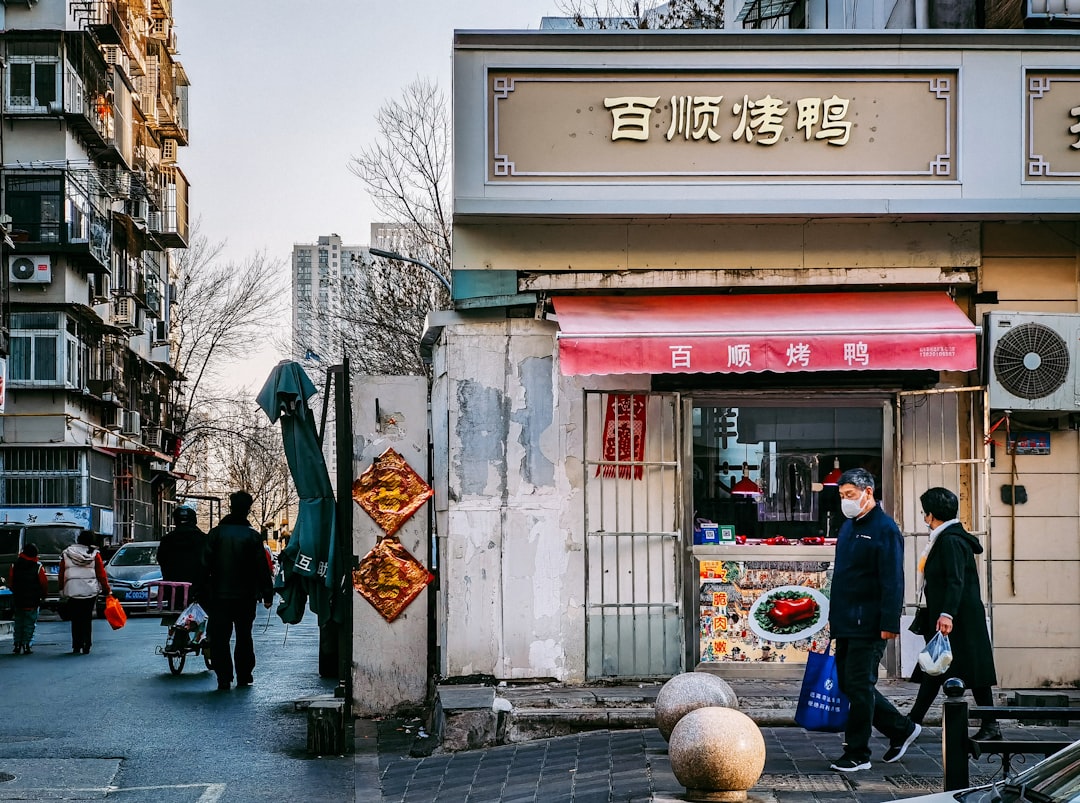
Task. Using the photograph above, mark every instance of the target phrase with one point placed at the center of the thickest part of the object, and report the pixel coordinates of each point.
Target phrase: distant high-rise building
(320, 272)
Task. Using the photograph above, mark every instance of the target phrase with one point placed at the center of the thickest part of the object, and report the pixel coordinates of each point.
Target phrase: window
(33, 83)
(46, 477)
(46, 350)
(35, 203)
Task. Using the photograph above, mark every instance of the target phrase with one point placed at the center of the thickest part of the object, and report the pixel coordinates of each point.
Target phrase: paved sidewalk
(631, 766)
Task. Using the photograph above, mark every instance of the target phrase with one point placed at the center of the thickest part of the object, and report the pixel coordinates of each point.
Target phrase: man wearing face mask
(864, 613)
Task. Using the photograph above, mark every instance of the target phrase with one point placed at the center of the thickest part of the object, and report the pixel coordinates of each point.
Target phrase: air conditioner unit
(132, 423)
(124, 311)
(29, 270)
(154, 438)
(153, 221)
(1032, 360)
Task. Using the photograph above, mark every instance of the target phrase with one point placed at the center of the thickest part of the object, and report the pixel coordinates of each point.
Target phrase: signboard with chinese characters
(707, 126)
(765, 611)
(1052, 126)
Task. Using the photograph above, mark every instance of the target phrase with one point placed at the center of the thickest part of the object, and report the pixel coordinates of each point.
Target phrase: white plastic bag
(936, 656)
(193, 620)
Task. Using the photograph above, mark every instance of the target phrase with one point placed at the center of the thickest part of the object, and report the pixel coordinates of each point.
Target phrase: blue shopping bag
(822, 706)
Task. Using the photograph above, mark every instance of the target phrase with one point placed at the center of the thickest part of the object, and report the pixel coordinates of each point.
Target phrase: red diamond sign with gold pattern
(389, 577)
(390, 491)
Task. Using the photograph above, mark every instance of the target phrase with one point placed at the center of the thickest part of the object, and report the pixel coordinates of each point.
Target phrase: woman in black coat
(955, 608)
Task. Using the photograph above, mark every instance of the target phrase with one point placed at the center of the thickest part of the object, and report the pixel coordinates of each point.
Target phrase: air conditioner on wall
(1032, 360)
(29, 270)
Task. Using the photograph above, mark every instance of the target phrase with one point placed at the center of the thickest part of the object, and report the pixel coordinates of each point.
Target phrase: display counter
(762, 608)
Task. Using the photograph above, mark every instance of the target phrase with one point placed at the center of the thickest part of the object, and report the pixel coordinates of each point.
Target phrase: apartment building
(92, 200)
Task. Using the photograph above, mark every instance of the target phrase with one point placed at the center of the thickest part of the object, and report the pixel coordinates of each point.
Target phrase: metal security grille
(633, 524)
(940, 443)
(45, 477)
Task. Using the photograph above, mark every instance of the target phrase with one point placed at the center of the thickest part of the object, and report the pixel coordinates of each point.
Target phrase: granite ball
(689, 691)
(717, 754)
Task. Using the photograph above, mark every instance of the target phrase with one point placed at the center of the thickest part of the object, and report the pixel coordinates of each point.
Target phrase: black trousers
(82, 622)
(224, 616)
(857, 661)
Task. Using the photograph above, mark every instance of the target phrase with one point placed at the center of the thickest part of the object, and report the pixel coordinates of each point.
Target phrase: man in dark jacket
(864, 612)
(237, 576)
(180, 555)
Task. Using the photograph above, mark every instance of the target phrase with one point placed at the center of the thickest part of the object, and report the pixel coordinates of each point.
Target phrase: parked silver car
(133, 572)
(1053, 780)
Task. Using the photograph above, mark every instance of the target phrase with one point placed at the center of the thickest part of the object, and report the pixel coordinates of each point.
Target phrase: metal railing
(956, 744)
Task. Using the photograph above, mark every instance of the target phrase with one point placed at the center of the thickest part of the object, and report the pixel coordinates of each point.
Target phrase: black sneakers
(848, 764)
(896, 751)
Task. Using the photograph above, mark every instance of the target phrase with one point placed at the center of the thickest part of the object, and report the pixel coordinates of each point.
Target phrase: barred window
(46, 477)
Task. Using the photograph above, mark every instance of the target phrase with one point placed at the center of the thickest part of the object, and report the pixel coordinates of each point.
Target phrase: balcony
(63, 211)
(175, 221)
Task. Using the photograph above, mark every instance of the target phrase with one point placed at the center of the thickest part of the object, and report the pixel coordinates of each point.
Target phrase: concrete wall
(511, 538)
(1035, 559)
(390, 658)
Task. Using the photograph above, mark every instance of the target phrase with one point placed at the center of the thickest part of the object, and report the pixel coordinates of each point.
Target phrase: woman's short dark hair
(941, 503)
(86, 537)
(30, 550)
(859, 477)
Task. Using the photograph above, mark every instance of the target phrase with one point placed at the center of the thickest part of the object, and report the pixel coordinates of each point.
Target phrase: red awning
(885, 331)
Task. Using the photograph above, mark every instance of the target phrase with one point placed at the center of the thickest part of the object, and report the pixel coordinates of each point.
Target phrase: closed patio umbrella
(308, 566)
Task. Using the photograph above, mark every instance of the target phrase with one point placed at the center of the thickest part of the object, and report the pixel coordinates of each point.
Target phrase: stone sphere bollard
(717, 754)
(689, 691)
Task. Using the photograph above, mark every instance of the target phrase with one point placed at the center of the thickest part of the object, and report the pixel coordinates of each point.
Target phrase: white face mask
(851, 507)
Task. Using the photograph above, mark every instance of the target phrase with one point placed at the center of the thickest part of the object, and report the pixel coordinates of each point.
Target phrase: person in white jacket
(82, 578)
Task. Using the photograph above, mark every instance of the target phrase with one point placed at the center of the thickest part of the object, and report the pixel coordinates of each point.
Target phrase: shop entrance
(633, 535)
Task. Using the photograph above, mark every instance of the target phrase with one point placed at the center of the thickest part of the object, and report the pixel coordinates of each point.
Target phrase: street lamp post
(394, 255)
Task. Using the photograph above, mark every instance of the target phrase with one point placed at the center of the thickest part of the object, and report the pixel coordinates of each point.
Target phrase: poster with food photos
(764, 611)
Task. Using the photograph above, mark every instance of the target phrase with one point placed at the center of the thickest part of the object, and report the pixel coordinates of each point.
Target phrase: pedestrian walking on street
(237, 577)
(864, 613)
(950, 583)
(181, 556)
(82, 579)
(29, 585)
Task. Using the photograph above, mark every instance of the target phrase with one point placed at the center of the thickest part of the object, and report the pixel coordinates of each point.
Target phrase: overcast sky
(284, 93)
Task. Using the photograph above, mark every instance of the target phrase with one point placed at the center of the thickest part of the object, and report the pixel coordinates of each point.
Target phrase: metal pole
(954, 736)
(343, 547)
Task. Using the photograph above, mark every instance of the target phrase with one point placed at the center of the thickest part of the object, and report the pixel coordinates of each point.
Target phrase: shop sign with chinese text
(707, 126)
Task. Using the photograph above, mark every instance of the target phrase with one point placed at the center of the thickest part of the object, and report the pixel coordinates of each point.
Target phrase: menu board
(765, 611)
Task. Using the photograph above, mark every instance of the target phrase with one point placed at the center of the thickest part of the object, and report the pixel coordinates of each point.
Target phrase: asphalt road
(116, 725)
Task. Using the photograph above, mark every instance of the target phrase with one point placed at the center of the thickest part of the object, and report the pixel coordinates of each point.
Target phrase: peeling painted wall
(512, 571)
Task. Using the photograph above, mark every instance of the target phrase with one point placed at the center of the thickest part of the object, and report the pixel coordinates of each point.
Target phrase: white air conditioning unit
(132, 423)
(1032, 360)
(153, 221)
(29, 270)
(123, 311)
(154, 438)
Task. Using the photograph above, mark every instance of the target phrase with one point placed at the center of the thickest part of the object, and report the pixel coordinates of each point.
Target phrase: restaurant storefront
(693, 281)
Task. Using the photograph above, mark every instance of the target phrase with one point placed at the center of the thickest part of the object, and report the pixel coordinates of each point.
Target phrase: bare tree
(221, 308)
(246, 453)
(381, 304)
(629, 14)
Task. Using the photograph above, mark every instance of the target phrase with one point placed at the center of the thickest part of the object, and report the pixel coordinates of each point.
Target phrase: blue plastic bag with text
(822, 706)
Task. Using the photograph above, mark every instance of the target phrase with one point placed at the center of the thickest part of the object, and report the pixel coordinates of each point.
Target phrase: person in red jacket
(29, 585)
(82, 578)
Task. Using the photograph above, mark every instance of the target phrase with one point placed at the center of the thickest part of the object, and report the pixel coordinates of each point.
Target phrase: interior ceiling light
(745, 486)
(832, 479)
